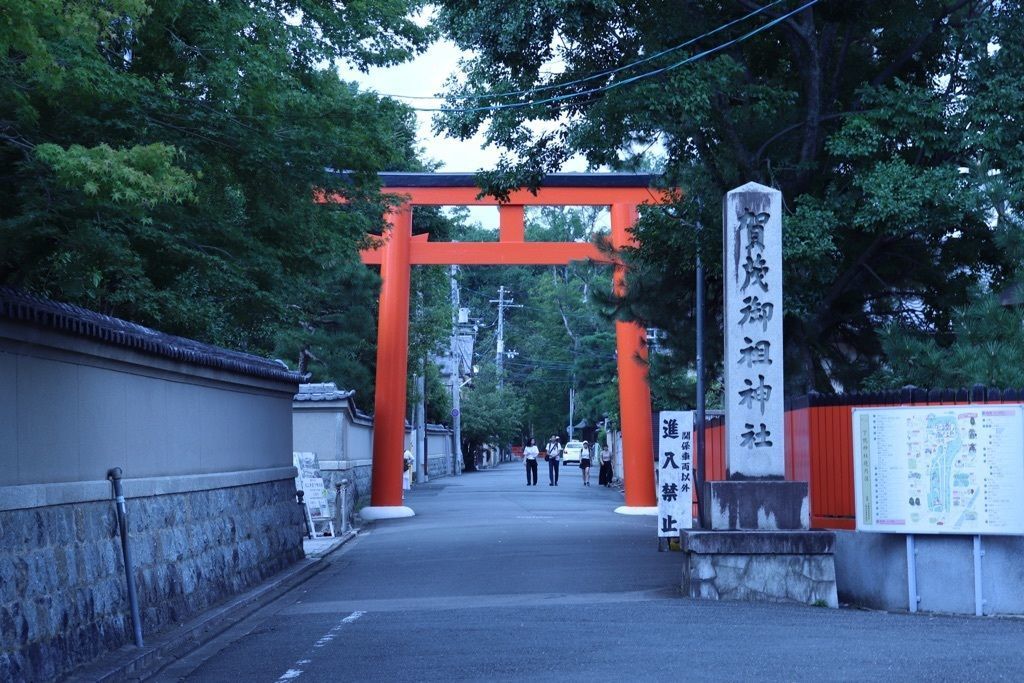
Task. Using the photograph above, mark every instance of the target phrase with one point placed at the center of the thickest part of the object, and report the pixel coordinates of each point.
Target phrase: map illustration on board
(943, 469)
(940, 469)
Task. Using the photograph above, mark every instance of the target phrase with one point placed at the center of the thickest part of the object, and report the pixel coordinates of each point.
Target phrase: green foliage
(143, 174)
(159, 161)
(891, 131)
(559, 335)
(490, 414)
(984, 346)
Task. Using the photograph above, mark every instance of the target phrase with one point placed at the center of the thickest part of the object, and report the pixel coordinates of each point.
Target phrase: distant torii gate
(400, 250)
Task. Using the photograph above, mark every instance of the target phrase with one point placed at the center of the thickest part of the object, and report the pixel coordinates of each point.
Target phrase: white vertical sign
(754, 402)
(675, 472)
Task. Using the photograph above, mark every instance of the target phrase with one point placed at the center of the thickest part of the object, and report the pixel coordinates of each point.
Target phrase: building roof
(75, 321)
(324, 391)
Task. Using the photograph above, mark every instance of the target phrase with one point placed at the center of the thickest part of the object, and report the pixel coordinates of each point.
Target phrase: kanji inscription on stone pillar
(754, 410)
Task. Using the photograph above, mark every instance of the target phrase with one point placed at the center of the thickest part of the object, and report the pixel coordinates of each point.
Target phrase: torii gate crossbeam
(399, 251)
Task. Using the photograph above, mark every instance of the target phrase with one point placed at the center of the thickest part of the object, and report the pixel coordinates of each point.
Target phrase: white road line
(292, 674)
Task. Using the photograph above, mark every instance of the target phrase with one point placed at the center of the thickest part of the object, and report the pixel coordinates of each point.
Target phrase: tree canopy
(159, 161)
(888, 127)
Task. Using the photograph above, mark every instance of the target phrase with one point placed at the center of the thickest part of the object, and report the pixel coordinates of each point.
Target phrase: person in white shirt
(585, 463)
(554, 451)
(530, 454)
(407, 463)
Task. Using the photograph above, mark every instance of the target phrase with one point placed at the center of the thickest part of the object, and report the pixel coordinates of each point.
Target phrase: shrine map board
(939, 469)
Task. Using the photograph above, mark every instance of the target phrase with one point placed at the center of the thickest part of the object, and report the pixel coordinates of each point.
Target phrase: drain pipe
(114, 476)
(341, 506)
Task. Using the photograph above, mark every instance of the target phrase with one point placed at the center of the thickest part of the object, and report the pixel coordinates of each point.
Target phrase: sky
(425, 77)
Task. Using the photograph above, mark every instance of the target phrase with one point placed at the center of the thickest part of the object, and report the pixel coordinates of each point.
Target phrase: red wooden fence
(819, 442)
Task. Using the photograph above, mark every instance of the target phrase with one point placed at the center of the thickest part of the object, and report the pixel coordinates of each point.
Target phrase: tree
(489, 415)
(862, 114)
(983, 346)
(560, 338)
(159, 161)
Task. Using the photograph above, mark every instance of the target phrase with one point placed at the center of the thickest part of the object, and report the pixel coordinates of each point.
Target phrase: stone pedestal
(755, 505)
(773, 566)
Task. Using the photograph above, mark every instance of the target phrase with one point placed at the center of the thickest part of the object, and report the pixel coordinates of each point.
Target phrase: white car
(573, 452)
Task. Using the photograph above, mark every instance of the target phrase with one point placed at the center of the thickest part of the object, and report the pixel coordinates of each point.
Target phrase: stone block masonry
(62, 587)
(780, 566)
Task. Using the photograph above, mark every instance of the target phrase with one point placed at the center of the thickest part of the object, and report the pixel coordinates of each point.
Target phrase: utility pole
(572, 406)
(700, 418)
(456, 372)
(499, 350)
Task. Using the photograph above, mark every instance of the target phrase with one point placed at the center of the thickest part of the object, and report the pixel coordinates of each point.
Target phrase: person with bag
(604, 477)
(530, 454)
(554, 451)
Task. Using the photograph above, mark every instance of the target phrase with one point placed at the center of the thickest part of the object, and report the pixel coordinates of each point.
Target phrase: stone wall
(773, 566)
(440, 445)
(63, 599)
(358, 473)
(203, 438)
(806, 579)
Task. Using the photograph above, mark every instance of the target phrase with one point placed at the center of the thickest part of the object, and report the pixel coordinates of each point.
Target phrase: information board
(939, 469)
(675, 472)
(311, 483)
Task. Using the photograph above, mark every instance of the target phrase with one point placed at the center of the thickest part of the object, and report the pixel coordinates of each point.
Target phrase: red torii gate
(623, 193)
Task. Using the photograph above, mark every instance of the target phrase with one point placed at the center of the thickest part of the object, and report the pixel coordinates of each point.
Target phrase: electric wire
(599, 74)
(618, 84)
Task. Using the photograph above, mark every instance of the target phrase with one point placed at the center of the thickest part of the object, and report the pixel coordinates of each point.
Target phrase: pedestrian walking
(604, 477)
(554, 451)
(585, 463)
(530, 454)
(407, 461)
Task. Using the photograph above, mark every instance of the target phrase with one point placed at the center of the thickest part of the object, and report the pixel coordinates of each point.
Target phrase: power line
(618, 84)
(499, 351)
(599, 74)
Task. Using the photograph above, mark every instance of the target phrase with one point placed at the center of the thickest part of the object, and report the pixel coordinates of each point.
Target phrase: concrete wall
(871, 570)
(326, 422)
(203, 437)
(440, 452)
(69, 416)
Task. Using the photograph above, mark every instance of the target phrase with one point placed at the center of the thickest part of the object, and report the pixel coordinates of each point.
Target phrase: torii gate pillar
(634, 391)
(392, 368)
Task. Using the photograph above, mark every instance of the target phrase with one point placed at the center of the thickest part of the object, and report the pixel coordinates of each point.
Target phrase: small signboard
(675, 472)
(939, 469)
(311, 482)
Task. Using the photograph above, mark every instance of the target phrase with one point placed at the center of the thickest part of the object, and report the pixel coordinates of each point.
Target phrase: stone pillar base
(374, 512)
(637, 510)
(771, 566)
(755, 505)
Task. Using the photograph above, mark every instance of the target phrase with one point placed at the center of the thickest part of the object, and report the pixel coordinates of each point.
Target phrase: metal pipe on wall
(114, 475)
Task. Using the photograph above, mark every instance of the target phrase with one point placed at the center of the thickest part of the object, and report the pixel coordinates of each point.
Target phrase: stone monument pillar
(756, 495)
(758, 546)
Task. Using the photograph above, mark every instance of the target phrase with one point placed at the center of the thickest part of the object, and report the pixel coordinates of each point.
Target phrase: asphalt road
(496, 581)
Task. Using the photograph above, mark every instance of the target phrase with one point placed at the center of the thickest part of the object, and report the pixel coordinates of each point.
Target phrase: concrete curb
(132, 663)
